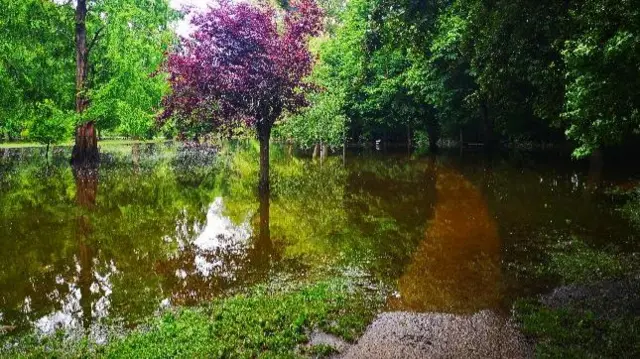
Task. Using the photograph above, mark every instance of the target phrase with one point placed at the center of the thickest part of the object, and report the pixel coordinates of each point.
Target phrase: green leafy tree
(50, 125)
(36, 62)
(603, 90)
(125, 83)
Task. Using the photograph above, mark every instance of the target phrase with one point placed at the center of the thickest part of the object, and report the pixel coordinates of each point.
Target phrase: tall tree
(85, 150)
(240, 68)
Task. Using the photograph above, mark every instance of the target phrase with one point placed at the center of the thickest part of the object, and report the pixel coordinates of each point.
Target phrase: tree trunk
(81, 55)
(264, 135)
(596, 164)
(85, 150)
(344, 151)
(323, 152)
(489, 138)
(433, 131)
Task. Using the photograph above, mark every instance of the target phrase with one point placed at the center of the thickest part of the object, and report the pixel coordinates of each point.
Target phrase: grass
(573, 332)
(264, 323)
(574, 262)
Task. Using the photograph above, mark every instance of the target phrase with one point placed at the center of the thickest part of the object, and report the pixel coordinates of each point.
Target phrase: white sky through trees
(183, 28)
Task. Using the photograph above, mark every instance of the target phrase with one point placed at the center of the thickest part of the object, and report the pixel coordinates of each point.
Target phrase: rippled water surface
(160, 224)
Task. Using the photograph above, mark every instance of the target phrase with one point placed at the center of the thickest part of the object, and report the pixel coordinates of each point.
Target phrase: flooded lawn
(161, 225)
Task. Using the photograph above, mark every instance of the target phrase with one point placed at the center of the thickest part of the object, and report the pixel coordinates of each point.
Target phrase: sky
(183, 27)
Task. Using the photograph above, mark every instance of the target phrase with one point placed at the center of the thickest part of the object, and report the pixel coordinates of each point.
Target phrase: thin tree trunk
(81, 55)
(85, 150)
(596, 164)
(489, 140)
(344, 152)
(433, 131)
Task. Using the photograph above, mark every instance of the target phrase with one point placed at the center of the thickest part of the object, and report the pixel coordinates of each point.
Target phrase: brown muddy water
(160, 225)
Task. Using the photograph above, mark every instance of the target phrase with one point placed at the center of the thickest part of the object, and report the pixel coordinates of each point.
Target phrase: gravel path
(432, 335)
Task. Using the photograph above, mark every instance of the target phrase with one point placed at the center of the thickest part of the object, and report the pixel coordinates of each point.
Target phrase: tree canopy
(472, 71)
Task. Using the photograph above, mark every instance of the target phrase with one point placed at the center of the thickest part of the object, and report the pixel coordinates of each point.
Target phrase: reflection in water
(456, 268)
(86, 192)
(87, 297)
(203, 268)
(172, 225)
(223, 256)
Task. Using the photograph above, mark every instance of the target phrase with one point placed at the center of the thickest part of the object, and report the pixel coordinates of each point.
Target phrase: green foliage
(603, 80)
(126, 86)
(322, 122)
(50, 125)
(511, 70)
(127, 41)
(36, 62)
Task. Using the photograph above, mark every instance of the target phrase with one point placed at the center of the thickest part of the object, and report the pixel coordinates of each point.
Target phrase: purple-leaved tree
(242, 65)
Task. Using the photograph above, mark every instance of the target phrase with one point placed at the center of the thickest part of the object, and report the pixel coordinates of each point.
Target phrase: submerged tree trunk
(489, 136)
(264, 135)
(344, 152)
(433, 131)
(85, 150)
(324, 151)
(596, 164)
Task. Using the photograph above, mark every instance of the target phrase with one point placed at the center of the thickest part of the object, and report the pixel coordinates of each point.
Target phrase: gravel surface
(433, 335)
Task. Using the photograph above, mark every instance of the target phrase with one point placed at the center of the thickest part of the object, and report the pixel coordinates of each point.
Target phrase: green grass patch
(264, 323)
(571, 333)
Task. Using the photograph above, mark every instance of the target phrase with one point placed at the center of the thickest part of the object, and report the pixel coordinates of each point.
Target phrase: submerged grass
(264, 323)
(584, 329)
(573, 333)
(119, 142)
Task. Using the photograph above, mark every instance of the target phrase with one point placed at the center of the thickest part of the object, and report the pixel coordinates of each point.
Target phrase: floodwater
(161, 224)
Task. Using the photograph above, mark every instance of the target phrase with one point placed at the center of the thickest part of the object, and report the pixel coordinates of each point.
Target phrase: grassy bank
(266, 322)
(594, 312)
